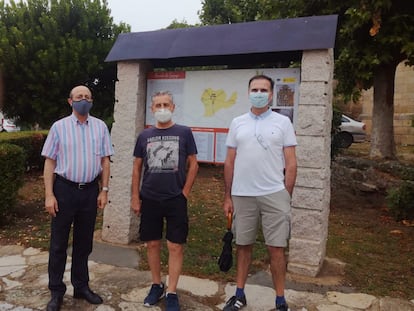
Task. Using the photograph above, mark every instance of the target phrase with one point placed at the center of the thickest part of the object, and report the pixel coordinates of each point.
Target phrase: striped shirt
(78, 148)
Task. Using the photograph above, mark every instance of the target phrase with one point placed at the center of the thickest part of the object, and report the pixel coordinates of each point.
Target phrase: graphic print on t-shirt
(162, 154)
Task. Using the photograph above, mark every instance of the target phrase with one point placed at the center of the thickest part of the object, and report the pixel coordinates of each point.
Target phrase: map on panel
(215, 100)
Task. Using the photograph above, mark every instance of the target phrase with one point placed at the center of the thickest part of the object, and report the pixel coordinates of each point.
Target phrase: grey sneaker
(282, 307)
(155, 294)
(235, 303)
(171, 302)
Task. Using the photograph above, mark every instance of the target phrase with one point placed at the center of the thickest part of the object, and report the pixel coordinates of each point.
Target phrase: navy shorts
(173, 211)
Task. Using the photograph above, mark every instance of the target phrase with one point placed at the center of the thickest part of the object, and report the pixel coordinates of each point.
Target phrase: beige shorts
(272, 212)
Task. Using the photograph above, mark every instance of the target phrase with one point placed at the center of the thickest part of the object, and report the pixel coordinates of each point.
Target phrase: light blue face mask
(259, 99)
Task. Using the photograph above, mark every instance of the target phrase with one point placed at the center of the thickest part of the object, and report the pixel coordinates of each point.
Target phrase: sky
(147, 15)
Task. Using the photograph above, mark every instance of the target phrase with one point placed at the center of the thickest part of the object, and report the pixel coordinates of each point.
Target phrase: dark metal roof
(217, 44)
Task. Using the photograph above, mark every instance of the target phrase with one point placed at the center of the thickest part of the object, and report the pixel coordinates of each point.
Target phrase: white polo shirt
(259, 163)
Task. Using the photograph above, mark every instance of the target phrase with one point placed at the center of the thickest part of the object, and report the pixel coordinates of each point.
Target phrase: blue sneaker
(155, 294)
(171, 302)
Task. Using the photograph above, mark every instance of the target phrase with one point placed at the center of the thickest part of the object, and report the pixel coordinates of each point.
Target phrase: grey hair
(162, 93)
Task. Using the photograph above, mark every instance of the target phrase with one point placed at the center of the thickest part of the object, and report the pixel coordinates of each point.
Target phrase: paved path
(114, 275)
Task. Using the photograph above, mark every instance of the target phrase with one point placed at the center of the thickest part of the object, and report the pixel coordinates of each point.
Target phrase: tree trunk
(382, 135)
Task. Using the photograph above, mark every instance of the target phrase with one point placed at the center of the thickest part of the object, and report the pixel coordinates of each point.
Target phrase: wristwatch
(105, 189)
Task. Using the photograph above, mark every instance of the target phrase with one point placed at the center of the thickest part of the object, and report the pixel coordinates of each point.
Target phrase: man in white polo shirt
(259, 176)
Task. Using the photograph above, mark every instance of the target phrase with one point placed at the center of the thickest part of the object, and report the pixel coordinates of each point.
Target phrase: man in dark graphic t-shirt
(165, 159)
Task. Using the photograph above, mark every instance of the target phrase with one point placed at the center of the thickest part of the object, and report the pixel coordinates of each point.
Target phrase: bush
(335, 139)
(31, 142)
(401, 201)
(12, 159)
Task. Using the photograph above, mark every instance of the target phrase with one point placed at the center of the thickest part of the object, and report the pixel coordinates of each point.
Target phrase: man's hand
(102, 199)
(136, 205)
(51, 205)
(228, 206)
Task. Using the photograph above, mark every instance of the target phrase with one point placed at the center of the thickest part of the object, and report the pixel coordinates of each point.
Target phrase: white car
(351, 131)
(7, 125)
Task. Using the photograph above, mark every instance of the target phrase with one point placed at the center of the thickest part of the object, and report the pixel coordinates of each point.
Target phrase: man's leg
(83, 230)
(60, 229)
(175, 264)
(278, 268)
(59, 236)
(154, 260)
(177, 232)
(244, 258)
(150, 231)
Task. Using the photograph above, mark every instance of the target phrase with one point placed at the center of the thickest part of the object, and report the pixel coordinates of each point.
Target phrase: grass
(378, 251)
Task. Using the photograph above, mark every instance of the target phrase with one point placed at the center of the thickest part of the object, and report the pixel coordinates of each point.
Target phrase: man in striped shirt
(76, 151)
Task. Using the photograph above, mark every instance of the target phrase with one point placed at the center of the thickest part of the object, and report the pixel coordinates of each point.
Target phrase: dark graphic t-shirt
(164, 152)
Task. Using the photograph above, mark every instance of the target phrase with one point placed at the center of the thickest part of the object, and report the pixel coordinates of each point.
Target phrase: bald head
(80, 92)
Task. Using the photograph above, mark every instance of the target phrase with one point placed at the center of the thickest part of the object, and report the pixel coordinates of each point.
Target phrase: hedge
(31, 142)
(12, 167)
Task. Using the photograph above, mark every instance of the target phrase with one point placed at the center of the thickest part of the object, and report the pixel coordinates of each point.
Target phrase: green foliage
(175, 24)
(32, 144)
(335, 143)
(401, 201)
(47, 47)
(237, 11)
(372, 34)
(12, 160)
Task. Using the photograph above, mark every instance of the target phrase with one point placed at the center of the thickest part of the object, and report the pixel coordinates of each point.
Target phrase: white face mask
(163, 115)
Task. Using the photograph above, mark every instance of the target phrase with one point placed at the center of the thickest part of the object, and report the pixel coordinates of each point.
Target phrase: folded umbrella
(225, 260)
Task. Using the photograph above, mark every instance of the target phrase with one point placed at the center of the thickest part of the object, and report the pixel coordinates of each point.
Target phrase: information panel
(207, 101)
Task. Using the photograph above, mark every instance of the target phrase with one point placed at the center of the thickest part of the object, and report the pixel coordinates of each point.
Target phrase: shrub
(12, 159)
(401, 201)
(31, 142)
(335, 140)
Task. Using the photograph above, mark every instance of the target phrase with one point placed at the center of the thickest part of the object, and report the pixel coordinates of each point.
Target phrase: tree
(175, 24)
(374, 36)
(49, 46)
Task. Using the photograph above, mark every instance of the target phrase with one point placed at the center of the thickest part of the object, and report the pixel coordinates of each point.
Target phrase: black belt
(78, 185)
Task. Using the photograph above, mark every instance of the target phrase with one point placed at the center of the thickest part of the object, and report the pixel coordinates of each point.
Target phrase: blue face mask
(259, 99)
(82, 107)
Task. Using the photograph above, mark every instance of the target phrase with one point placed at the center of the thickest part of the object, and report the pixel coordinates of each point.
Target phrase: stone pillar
(311, 196)
(120, 224)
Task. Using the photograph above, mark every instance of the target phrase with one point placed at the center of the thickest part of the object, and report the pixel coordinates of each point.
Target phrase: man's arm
(228, 180)
(51, 204)
(103, 195)
(135, 184)
(192, 169)
(290, 168)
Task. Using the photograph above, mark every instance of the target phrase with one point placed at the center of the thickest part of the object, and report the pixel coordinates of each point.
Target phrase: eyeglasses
(262, 141)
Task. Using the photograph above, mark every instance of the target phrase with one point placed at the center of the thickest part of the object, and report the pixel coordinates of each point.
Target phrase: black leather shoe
(88, 295)
(54, 303)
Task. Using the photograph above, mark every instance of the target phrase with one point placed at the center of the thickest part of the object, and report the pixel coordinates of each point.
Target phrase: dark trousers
(77, 207)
